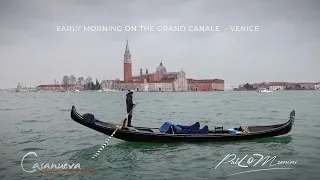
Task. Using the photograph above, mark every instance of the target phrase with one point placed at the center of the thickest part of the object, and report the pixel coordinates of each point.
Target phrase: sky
(285, 46)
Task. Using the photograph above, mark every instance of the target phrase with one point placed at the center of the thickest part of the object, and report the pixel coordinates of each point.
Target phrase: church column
(127, 65)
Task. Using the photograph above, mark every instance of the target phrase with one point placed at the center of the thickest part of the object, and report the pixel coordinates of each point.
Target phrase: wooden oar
(106, 143)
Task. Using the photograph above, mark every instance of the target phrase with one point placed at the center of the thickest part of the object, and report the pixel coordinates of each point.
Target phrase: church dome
(161, 69)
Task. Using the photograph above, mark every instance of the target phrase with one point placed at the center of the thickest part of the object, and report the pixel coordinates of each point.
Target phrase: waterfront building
(286, 85)
(162, 80)
(206, 85)
(274, 86)
(159, 80)
(60, 87)
(107, 84)
(307, 85)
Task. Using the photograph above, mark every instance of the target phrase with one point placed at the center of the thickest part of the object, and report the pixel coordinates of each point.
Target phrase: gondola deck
(153, 135)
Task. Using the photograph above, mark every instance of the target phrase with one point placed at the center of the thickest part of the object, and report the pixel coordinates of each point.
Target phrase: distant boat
(264, 90)
(18, 89)
(111, 90)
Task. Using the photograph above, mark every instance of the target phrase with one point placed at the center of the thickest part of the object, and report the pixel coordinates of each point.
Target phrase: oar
(106, 143)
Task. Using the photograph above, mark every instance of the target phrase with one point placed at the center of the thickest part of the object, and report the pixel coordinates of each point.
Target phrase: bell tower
(127, 65)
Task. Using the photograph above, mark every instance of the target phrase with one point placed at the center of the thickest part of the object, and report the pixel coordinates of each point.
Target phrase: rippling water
(40, 122)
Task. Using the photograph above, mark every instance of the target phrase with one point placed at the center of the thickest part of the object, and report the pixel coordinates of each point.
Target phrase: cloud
(286, 47)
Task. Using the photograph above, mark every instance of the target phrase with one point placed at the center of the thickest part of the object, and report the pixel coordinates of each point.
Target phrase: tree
(73, 79)
(80, 80)
(66, 81)
(88, 80)
(88, 83)
(91, 86)
(248, 86)
(97, 85)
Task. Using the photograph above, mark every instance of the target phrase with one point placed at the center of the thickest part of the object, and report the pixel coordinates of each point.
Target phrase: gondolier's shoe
(129, 125)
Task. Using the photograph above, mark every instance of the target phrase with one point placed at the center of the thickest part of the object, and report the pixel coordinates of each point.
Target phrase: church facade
(160, 80)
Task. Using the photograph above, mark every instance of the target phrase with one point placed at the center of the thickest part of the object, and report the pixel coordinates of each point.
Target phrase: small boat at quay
(170, 132)
(264, 90)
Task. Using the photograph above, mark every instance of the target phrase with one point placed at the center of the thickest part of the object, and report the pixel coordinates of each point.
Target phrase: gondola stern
(292, 114)
(292, 117)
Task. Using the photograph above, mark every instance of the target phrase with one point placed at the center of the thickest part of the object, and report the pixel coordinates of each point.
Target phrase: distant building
(307, 85)
(317, 86)
(286, 85)
(108, 84)
(274, 86)
(161, 80)
(206, 85)
(260, 85)
(60, 87)
(292, 86)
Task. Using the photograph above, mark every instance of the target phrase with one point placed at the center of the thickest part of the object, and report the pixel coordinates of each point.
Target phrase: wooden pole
(106, 143)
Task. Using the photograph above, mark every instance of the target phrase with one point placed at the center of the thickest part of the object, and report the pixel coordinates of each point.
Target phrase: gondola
(169, 133)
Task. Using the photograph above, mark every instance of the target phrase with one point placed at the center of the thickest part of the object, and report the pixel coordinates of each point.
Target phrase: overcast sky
(286, 47)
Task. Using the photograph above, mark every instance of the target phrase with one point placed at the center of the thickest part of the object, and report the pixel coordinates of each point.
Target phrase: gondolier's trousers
(129, 116)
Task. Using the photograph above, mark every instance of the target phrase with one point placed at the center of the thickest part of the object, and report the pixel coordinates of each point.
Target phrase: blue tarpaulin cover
(195, 126)
(167, 127)
(233, 131)
(171, 128)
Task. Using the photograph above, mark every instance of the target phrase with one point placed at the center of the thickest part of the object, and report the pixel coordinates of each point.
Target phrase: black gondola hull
(157, 137)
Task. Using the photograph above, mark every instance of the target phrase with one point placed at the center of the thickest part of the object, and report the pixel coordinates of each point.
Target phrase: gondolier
(130, 105)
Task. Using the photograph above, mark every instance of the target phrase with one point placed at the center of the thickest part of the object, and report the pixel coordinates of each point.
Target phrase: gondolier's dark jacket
(129, 103)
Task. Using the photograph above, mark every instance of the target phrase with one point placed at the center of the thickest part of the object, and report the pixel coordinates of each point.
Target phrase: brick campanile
(127, 65)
